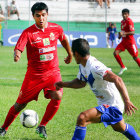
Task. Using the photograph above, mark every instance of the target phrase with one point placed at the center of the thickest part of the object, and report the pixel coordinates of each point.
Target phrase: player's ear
(76, 54)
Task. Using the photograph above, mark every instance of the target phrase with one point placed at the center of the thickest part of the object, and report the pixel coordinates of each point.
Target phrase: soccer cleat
(2, 132)
(122, 71)
(41, 131)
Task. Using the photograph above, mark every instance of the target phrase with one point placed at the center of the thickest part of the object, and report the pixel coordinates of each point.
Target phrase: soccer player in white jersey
(107, 88)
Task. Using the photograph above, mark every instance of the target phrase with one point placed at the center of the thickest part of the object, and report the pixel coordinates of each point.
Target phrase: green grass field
(73, 102)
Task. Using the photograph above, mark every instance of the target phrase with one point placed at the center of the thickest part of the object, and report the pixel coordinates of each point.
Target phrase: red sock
(12, 114)
(138, 61)
(119, 60)
(51, 109)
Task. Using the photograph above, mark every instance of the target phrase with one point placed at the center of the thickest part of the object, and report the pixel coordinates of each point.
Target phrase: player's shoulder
(129, 20)
(53, 25)
(31, 29)
(92, 62)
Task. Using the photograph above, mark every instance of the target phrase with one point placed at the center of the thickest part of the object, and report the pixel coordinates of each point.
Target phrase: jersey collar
(43, 28)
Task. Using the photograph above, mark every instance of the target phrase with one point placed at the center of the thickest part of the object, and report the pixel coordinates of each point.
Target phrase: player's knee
(114, 53)
(19, 107)
(58, 95)
(82, 118)
(118, 129)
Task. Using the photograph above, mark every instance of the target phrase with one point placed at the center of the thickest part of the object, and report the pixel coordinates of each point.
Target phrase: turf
(74, 101)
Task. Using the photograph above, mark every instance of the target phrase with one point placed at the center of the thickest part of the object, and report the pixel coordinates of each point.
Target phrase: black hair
(125, 11)
(81, 46)
(39, 6)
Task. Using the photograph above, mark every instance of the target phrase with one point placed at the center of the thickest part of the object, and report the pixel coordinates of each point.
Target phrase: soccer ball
(29, 118)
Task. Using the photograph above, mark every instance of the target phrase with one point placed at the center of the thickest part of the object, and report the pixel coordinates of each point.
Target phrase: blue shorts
(110, 115)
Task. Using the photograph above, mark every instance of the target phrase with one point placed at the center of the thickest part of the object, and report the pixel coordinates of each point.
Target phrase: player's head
(80, 49)
(112, 25)
(125, 13)
(13, 1)
(40, 13)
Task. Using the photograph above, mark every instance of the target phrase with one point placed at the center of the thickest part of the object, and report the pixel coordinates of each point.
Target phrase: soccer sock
(138, 61)
(12, 114)
(79, 133)
(130, 133)
(119, 60)
(51, 109)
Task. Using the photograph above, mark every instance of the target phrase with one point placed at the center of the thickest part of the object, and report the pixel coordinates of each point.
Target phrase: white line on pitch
(6, 78)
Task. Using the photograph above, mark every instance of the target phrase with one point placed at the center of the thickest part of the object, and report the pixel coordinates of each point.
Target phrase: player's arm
(66, 45)
(127, 33)
(76, 83)
(111, 77)
(17, 55)
(19, 48)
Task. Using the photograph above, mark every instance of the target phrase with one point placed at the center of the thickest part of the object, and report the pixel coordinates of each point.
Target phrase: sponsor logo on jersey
(37, 40)
(46, 41)
(52, 36)
(46, 57)
(36, 32)
(44, 50)
(53, 25)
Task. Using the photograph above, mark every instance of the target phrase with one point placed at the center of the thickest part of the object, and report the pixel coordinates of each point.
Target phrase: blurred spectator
(1, 14)
(12, 9)
(100, 2)
(107, 34)
(111, 34)
(1, 11)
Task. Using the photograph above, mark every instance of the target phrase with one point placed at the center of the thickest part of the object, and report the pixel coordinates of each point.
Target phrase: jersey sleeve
(22, 41)
(61, 34)
(131, 25)
(100, 70)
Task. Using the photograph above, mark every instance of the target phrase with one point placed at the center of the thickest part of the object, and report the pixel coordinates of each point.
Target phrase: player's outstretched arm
(76, 83)
(17, 55)
(111, 77)
(66, 45)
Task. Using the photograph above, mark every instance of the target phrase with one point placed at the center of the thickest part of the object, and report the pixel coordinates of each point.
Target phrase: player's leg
(126, 129)
(11, 116)
(116, 53)
(51, 110)
(137, 59)
(50, 93)
(133, 50)
(29, 91)
(85, 118)
(52, 107)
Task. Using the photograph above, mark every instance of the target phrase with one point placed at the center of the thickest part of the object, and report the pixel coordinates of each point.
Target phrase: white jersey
(105, 92)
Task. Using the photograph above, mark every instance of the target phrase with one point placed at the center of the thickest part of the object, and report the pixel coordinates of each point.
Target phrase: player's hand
(119, 35)
(129, 108)
(59, 85)
(17, 55)
(68, 59)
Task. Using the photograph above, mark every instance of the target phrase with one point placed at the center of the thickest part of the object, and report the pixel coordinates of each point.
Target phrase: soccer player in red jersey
(43, 71)
(128, 41)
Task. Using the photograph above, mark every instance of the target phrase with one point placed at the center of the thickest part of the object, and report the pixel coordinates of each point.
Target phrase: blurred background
(86, 16)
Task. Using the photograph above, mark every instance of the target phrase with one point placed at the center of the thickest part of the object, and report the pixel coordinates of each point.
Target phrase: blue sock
(130, 133)
(79, 133)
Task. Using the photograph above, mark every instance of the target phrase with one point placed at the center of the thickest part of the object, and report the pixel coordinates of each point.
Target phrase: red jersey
(127, 26)
(41, 46)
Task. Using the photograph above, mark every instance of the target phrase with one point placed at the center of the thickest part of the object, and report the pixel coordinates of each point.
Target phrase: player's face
(40, 18)
(125, 15)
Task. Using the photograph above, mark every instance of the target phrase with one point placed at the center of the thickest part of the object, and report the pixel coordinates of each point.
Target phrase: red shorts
(31, 87)
(131, 48)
